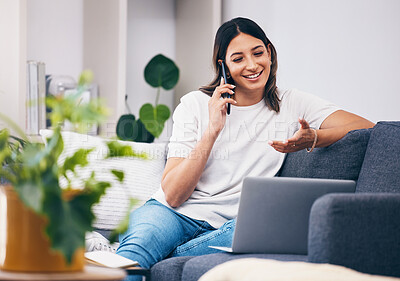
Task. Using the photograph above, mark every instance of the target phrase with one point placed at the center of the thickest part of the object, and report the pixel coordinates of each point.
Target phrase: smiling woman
(197, 202)
(249, 63)
(229, 45)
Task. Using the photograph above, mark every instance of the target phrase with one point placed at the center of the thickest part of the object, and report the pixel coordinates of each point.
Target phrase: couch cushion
(360, 231)
(341, 160)
(381, 168)
(142, 177)
(169, 269)
(194, 268)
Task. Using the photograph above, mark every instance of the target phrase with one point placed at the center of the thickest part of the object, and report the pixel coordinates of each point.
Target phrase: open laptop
(274, 212)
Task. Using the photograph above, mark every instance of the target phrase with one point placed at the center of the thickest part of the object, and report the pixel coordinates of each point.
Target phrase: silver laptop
(274, 212)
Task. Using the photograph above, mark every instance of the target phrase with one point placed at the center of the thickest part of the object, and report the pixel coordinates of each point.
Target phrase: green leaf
(133, 130)
(71, 108)
(67, 225)
(79, 158)
(119, 175)
(143, 135)
(5, 174)
(161, 72)
(31, 193)
(14, 126)
(154, 118)
(33, 155)
(69, 220)
(125, 127)
(116, 149)
(5, 151)
(86, 77)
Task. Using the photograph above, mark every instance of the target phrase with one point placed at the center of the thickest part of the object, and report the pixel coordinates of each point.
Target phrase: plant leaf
(154, 118)
(119, 175)
(81, 115)
(125, 127)
(161, 72)
(143, 134)
(133, 130)
(116, 149)
(69, 220)
(79, 158)
(86, 77)
(31, 194)
(5, 151)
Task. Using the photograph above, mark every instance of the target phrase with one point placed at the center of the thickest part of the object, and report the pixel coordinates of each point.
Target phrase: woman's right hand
(217, 106)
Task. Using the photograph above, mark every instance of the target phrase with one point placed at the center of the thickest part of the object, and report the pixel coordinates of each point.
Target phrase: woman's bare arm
(338, 124)
(334, 127)
(181, 175)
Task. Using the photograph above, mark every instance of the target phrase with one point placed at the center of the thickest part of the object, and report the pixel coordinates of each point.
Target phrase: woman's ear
(228, 73)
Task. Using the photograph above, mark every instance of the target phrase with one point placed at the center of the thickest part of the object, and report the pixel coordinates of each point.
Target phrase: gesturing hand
(217, 106)
(302, 139)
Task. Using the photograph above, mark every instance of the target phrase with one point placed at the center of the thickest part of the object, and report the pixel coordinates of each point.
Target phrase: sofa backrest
(341, 160)
(380, 171)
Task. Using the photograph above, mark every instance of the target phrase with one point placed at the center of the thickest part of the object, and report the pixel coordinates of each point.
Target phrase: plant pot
(24, 245)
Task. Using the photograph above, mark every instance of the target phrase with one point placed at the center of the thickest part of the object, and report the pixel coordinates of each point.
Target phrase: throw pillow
(341, 160)
(142, 177)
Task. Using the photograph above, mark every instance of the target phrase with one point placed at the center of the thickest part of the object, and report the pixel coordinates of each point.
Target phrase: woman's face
(248, 61)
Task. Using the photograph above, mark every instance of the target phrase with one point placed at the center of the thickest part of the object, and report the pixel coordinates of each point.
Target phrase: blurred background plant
(160, 72)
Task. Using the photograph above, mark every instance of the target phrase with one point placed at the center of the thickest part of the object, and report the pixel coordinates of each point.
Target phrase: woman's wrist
(212, 131)
(313, 142)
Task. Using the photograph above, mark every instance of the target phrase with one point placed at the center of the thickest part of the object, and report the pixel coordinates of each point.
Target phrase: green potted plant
(37, 212)
(160, 72)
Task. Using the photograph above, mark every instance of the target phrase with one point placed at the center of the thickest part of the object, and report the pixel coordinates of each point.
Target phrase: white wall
(12, 61)
(345, 51)
(55, 35)
(151, 30)
(196, 25)
(104, 52)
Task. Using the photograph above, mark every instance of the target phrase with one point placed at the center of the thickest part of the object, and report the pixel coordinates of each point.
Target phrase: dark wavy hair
(224, 36)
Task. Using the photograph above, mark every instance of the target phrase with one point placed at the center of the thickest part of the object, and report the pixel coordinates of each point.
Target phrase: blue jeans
(156, 232)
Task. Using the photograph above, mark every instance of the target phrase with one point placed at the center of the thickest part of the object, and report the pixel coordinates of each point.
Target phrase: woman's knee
(154, 231)
(151, 216)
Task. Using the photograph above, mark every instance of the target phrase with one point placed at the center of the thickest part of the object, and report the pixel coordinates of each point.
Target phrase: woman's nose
(251, 65)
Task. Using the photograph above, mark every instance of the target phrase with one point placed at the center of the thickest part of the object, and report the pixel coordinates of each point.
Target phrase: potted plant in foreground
(160, 72)
(43, 226)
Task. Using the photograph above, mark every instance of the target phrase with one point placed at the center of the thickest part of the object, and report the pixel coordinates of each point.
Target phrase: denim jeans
(156, 232)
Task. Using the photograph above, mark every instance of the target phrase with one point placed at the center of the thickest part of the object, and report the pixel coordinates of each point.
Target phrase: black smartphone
(225, 95)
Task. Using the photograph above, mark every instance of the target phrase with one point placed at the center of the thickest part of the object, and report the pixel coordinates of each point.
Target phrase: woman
(211, 152)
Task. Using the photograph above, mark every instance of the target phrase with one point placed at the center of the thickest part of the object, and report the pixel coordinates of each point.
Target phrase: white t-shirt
(240, 150)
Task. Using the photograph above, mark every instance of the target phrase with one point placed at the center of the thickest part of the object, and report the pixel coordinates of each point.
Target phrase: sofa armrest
(359, 231)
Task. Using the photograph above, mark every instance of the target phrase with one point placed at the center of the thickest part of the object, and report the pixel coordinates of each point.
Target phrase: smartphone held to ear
(225, 95)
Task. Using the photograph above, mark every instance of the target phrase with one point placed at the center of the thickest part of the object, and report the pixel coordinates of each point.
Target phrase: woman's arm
(332, 129)
(338, 124)
(181, 175)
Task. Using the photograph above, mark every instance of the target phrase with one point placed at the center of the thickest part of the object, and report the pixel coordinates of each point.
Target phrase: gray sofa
(359, 231)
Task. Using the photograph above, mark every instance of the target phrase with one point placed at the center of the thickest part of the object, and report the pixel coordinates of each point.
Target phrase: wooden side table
(90, 273)
(139, 271)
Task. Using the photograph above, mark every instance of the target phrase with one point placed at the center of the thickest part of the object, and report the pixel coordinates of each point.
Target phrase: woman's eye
(259, 54)
(237, 59)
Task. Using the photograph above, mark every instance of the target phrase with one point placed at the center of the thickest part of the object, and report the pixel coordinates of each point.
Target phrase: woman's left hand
(302, 139)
